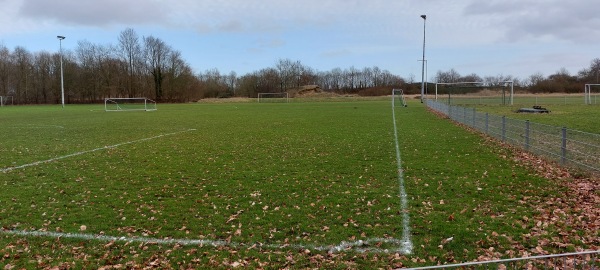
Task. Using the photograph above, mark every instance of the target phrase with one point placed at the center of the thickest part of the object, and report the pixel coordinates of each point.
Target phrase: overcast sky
(487, 37)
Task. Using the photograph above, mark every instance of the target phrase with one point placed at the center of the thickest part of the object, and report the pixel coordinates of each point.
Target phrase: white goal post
(273, 97)
(482, 84)
(129, 104)
(398, 96)
(588, 93)
(6, 100)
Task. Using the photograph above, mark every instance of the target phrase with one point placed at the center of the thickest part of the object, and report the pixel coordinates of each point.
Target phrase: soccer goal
(592, 93)
(273, 97)
(477, 92)
(398, 98)
(6, 100)
(129, 104)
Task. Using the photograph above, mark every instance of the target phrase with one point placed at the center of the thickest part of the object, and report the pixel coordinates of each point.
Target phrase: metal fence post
(487, 123)
(474, 118)
(503, 128)
(527, 135)
(563, 148)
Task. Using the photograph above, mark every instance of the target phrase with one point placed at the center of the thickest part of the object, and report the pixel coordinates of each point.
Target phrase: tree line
(559, 82)
(149, 67)
(134, 67)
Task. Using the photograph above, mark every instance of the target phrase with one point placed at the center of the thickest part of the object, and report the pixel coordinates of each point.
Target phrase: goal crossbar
(506, 83)
(129, 104)
(262, 97)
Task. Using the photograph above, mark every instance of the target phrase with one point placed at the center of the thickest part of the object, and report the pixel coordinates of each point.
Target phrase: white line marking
(361, 246)
(406, 238)
(8, 169)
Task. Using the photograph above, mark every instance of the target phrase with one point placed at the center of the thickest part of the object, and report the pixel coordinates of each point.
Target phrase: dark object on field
(535, 109)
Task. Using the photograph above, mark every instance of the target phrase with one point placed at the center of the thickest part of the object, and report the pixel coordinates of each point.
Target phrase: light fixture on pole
(423, 60)
(62, 82)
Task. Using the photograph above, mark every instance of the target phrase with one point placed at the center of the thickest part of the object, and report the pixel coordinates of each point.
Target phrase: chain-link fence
(520, 99)
(567, 146)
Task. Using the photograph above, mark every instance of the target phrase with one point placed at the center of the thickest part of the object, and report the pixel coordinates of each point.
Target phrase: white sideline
(406, 239)
(8, 169)
(361, 246)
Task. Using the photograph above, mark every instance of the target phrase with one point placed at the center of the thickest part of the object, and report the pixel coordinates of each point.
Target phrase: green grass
(271, 179)
(573, 116)
(461, 187)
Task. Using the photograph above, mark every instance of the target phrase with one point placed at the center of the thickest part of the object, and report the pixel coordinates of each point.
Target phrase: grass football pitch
(295, 185)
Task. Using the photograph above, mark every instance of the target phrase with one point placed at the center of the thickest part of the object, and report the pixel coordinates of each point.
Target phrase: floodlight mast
(426, 76)
(62, 81)
(423, 60)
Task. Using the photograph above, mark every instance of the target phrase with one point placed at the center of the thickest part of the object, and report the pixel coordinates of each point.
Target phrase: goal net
(273, 97)
(592, 93)
(465, 93)
(6, 100)
(129, 104)
(398, 98)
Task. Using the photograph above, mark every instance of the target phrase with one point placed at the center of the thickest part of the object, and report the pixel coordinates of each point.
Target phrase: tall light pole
(423, 60)
(426, 78)
(426, 75)
(62, 81)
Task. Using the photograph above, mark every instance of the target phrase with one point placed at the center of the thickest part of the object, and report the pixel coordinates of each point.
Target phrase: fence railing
(567, 146)
(577, 260)
(569, 99)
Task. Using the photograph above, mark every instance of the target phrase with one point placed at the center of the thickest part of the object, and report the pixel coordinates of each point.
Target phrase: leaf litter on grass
(309, 194)
(566, 223)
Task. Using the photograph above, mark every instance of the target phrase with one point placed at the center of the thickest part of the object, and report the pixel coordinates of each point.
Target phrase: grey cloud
(95, 13)
(231, 26)
(572, 21)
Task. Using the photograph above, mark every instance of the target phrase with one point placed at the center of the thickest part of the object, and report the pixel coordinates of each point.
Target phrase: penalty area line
(8, 169)
(406, 237)
(361, 246)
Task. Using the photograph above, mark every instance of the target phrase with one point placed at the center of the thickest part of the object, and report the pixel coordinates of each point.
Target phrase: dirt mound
(304, 90)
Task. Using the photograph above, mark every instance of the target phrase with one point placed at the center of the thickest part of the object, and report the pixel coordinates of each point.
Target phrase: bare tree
(471, 78)
(351, 75)
(231, 82)
(22, 69)
(43, 73)
(131, 52)
(285, 71)
(156, 54)
(367, 78)
(110, 67)
(247, 85)
(268, 81)
(5, 67)
(450, 76)
(337, 76)
(592, 73)
(178, 77)
(377, 73)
